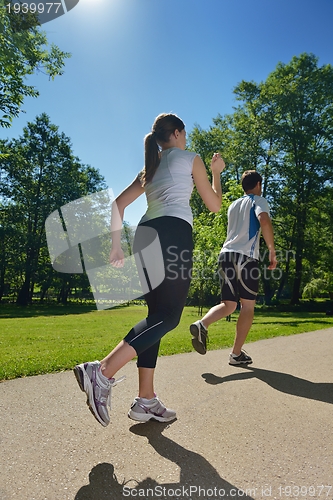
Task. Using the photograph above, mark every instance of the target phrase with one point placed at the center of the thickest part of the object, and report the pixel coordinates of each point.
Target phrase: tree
(246, 141)
(39, 175)
(300, 97)
(23, 51)
(319, 258)
(283, 128)
(206, 143)
(209, 233)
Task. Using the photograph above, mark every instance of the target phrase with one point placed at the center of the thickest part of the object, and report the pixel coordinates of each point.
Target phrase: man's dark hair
(250, 179)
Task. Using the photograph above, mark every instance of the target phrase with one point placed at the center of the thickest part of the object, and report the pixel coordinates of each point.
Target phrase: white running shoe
(143, 410)
(97, 389)
(199, 337)
(242, 359)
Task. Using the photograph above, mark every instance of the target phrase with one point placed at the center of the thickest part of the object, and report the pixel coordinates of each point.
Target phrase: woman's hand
(211, 193)
(217, 164)
(117, 257)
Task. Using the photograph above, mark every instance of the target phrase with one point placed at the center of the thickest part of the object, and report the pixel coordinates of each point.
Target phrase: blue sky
(134, 59)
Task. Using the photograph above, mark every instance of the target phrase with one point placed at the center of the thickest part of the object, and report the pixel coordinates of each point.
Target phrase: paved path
(259, 432)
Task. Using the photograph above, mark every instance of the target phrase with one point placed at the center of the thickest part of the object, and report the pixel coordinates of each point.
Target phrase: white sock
(102, 378)
(147, 401)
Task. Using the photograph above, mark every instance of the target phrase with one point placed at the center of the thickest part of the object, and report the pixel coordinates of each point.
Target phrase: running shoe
(242, 359)
(143, 410)
(199, 337)
(97, 389)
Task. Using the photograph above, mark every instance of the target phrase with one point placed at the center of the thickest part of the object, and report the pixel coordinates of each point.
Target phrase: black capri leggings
(166, 301)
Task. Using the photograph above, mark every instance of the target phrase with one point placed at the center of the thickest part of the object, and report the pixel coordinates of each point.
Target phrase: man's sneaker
(97, 388)
(143, 410)
(199, 337)
(242, 359)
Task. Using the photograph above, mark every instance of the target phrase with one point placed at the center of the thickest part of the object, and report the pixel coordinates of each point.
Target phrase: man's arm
(268, 234)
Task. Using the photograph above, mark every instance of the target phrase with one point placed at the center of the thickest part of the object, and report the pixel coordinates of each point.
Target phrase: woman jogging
(167, 180)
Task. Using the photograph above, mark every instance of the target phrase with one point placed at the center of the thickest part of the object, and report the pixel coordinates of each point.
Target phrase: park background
(251, 79)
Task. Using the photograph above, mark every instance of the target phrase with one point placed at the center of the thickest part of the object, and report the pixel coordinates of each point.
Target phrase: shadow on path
(196, 475)
(282, 382)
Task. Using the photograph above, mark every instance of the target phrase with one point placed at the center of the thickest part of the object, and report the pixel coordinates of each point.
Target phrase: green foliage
(209, 233)
(283, 128)
(24, 50)
(39, 174)
(315, 288)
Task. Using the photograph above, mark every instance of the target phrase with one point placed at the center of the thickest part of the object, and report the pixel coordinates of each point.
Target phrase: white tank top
(169, 192)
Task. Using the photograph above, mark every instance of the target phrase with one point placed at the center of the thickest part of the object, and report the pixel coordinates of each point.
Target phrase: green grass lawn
(53, 338)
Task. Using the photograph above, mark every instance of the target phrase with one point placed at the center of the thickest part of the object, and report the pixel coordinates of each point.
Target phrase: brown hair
(250, 179)
(164, 125)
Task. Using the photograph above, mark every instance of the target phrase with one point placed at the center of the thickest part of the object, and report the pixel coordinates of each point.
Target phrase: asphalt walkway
(260, 432)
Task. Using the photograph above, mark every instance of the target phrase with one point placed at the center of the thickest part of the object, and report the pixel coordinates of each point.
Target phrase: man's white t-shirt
(243, 225)
(169, 191)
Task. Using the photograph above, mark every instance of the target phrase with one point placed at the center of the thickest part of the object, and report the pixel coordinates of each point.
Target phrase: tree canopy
(282, 127)
(38, 175)
(24, 50)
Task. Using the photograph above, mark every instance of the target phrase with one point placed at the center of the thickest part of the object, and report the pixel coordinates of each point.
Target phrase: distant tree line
(282, 127)
(39, 174)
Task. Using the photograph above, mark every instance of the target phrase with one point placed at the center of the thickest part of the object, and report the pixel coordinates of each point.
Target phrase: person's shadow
(103, 484)
(282, 382)
(198, 478)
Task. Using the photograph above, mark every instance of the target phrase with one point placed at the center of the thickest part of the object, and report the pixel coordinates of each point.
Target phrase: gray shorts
(239, 276)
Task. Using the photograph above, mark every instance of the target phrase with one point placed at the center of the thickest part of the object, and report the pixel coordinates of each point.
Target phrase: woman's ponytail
(164, 125)
(152, 158)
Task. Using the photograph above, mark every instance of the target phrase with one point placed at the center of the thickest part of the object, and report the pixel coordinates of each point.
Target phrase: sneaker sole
(85, 385)
(145, 417)
(238, 363)
(198, 346)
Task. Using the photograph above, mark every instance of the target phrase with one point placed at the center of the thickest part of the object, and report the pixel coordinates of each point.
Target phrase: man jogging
(239, 266)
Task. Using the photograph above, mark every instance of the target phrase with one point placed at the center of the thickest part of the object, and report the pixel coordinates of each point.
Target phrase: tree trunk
(268, 292)
(2, 280)
(284, 278)
(296, 295)
(64, 293)
(25, 294)
(23, 297)
(44, 289)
